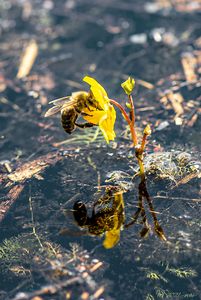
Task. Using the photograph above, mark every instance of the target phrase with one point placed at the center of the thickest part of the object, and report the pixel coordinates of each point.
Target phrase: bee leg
(87, 106)
(85, 114)
(96, 105)
(85, 125)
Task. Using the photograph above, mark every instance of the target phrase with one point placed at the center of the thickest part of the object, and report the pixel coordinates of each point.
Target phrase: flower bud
(147, 130)
(128, 85)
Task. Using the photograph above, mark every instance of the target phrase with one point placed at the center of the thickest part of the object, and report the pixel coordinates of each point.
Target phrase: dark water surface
(107, 40)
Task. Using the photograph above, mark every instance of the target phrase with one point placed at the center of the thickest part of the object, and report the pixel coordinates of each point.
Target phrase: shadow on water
(76, 222)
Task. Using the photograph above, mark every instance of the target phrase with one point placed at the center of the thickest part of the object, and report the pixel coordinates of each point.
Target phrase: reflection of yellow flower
(112, 236)
(104, 118)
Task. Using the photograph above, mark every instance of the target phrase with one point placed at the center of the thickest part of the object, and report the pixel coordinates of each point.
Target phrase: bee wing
(59, 104)
(53, 110)
(59, 101)
(69, 103)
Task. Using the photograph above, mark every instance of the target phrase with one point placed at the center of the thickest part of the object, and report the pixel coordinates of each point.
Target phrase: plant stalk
(128, 120)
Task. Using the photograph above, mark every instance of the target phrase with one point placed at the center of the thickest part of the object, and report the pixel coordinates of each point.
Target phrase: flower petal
(97, 90)
(106, 124)
(93, 116)
(106, 117)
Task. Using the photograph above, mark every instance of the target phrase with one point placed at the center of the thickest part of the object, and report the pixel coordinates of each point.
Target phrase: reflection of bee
(109, 212)
(98, 223)
(71, 107)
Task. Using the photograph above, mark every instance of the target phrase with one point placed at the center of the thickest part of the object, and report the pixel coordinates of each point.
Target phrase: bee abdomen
(68, 118)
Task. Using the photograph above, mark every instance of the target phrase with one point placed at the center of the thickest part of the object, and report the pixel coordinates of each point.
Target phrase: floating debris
(28, 59)
(32, 168)
(187, 6)
(175, 166)
(121, 179)
(189, 64)
(140, 38)
(146, 84)
(160, 35)
(16, 179)
(162, 125)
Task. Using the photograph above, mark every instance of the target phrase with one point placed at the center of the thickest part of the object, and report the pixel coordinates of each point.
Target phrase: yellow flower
(128, 85)
(104, 118)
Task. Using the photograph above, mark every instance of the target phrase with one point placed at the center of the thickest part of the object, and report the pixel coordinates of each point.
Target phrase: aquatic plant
(98, 110)
(106, 119)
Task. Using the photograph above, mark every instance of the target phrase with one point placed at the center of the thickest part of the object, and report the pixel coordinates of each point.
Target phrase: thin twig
(32, 221)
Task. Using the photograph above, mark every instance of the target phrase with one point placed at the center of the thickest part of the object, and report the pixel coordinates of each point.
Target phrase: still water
(44, 241)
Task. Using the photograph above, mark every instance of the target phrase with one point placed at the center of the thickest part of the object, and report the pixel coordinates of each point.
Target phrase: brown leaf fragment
(176, 100)
(20, 175)
(188, 6)
(193, 120)
(164, 3)
(96, 266)
(28, 59)
(12, 196)
(49, 289)
(85, 296)
(198, 42)
(26, 10)
(8, 167)
(180, 5)
(189, 63)
(146, 84)
(99, 292)
(3, 84)
(165, 102)
(187, 178)
(33, 168)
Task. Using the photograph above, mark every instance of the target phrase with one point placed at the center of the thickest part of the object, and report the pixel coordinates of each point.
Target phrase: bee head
(80, 213)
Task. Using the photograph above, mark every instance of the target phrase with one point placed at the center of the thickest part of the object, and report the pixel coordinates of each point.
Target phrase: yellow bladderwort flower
(104, 118)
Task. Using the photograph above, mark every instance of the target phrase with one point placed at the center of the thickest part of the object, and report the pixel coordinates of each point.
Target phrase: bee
(71, 107)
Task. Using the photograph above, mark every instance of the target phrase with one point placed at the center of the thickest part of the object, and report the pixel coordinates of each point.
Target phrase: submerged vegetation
(62, 272)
